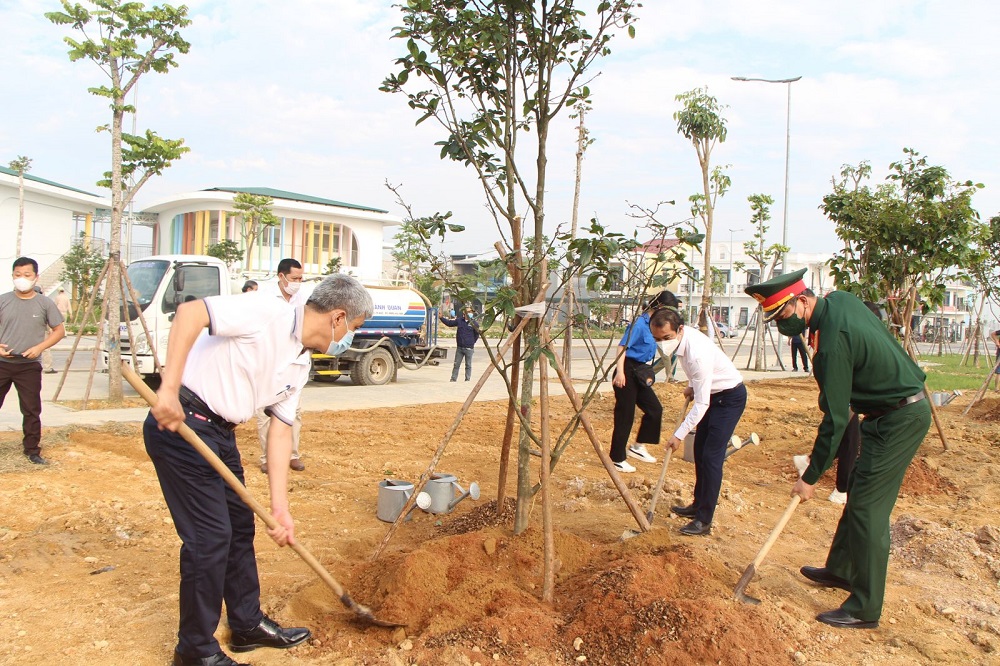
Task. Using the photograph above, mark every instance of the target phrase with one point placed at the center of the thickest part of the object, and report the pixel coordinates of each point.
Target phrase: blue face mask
(337, 348)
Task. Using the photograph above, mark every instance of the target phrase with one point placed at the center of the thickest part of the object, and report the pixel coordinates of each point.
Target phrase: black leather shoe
(696, 528)
(823, 576)
(268, 634)
(217, 659)
(37, 459)
(843, 619)
(686, 511)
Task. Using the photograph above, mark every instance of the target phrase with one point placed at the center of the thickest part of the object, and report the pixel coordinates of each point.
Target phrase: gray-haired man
(255, 356)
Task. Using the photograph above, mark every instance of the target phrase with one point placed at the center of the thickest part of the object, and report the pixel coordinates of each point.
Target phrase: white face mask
(292, 287)
(23, 284)
(668, 347)
(338, 347)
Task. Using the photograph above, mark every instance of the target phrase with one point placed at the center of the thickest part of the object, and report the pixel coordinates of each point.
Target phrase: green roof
(292, 196)
(28, 176)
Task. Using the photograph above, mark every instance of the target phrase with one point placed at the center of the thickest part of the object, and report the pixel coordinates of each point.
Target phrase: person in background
(465, 340)
(719, 397)
(799, 349)
(289, 290)
(249, 285)
(637, 348)
(858, 365)
(30, 323)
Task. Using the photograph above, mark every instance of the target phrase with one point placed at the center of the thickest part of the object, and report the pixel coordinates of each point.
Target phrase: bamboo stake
(508, 432)
(79, 333)
(982, 389)
(100, 336)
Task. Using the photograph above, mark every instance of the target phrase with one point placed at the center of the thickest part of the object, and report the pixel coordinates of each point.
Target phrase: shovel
(663, 472)
(741, 586)
(363, 612)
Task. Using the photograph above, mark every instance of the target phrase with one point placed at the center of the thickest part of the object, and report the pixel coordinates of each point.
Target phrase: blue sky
(285, 95)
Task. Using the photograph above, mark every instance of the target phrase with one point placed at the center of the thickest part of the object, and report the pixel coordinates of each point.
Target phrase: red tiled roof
(657, 245)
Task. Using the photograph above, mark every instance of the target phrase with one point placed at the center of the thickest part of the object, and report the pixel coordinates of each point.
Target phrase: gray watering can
(392, 497)
(439, 493)
(942, 398)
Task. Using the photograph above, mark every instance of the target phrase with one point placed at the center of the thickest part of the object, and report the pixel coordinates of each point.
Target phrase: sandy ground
(88, 571)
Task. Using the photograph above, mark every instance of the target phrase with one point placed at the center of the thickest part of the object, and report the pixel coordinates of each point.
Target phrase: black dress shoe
(688, 511)
(843, 619)
(268, 634)
(823, 576)
(217, 659)
(37, 459)
(696, 528)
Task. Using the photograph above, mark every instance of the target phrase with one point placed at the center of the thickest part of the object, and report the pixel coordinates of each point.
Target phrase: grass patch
(946, 373)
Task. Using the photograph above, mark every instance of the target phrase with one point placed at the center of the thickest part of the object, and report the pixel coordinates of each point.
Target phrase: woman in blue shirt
(637, 347)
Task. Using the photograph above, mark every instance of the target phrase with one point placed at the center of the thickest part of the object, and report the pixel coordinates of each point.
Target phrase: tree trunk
(20, 211)
(706, 289)
(114, 298)
(524, 481)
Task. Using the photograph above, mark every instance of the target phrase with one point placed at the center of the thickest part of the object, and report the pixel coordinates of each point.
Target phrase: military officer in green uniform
(858, 365)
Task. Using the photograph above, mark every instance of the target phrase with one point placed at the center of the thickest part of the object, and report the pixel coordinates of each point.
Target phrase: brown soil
(88, 570)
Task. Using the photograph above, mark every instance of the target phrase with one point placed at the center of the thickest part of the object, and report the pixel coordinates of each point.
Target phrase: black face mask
(792, 326)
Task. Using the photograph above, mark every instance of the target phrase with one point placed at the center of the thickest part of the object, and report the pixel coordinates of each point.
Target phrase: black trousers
(27, 379)
(627, 398)
(710, 441)
(216, 529)
(799, 349)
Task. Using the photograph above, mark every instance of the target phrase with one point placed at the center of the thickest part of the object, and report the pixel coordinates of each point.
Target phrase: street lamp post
(788, 143)
(730, 317)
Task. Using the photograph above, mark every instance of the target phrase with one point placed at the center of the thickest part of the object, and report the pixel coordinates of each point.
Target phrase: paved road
(429, 385)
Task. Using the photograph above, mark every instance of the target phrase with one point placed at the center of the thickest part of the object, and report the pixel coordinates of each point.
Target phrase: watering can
(439, 493)
(942, 398)
(392, 497)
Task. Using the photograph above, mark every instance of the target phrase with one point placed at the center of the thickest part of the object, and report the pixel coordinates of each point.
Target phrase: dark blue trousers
(217, 531)
(710, 441)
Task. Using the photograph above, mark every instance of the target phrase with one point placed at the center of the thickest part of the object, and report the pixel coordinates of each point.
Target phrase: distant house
(311, 229)
(54, 216)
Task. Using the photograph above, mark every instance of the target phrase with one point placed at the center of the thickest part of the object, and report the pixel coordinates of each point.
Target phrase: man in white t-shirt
(289, 289)
(256, 355)
(718, 400)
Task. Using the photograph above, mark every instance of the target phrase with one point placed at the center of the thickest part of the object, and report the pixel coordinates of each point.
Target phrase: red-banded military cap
(777, 291)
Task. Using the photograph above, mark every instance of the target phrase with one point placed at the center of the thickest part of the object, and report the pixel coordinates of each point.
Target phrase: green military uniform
(859, 365)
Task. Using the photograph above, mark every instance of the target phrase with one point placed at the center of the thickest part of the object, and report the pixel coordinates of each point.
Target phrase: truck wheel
(152, 381)
(374, 369)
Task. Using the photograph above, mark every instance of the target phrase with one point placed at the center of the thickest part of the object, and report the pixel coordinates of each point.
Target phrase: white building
(312, 230)
(54, 216)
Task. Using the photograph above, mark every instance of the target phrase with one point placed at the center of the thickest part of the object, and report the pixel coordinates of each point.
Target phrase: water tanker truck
(401, 334)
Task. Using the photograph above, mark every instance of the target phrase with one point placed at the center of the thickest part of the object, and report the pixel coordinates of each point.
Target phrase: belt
(190, 399)
(874, 414)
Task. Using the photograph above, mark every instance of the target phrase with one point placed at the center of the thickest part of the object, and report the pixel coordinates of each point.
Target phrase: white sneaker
(624, 467)
(801, 463)
(838, 497)
(639, 451)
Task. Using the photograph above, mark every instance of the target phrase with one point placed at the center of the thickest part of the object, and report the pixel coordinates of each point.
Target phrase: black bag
(644, 375)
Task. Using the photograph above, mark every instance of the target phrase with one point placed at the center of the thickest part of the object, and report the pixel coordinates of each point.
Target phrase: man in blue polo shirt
(465, 340)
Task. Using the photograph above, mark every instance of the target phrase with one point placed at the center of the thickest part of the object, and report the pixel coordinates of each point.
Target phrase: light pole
(788, 142)
(730, 317)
